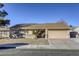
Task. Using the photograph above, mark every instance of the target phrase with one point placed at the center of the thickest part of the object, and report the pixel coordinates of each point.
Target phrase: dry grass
(31, 41)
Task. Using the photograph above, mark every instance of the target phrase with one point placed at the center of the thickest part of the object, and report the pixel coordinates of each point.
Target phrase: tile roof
(59, 25)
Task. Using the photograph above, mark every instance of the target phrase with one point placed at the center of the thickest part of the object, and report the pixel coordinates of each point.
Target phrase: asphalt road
(38, 52)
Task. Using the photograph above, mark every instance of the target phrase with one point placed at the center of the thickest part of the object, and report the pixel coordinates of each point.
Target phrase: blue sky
(42, 13)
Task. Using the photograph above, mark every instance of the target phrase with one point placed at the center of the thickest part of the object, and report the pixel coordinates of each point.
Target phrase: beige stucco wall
(4, 34)
(27, 31)
(58, 34)
(29, 34)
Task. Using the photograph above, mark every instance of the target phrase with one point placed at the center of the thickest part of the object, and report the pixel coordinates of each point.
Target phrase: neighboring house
(4, 32)
(17, 32)
(76, 29)
(58, 30)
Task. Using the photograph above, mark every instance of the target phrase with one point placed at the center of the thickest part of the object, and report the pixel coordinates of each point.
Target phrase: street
(39, 52)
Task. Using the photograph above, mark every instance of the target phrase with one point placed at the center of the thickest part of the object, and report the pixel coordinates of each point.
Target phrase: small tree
(3, 13)
(1, 5)
(71, 26)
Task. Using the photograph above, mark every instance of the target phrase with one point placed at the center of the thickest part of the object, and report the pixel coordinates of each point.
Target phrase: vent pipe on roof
(62, 21)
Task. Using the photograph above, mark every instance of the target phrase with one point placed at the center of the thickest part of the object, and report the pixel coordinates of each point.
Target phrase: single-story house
(59, 30)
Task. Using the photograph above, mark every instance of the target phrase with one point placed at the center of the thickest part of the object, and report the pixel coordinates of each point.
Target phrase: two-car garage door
(58, 34)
